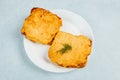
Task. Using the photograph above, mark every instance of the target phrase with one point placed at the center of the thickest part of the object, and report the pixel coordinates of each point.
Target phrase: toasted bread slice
(68, 50)
(41, 26)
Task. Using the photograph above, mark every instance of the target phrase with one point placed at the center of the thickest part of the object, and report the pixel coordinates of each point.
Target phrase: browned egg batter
(41, 26)
(68, 50)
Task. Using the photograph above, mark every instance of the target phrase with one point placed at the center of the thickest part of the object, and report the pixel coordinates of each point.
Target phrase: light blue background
(102, 15)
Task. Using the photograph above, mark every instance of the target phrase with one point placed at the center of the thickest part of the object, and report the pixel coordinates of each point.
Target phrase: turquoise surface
(102, 15)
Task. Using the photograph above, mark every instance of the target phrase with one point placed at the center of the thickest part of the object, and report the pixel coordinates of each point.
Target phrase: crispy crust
(41, 26)
(75, 58)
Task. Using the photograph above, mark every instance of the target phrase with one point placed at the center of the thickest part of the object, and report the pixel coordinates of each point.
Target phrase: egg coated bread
(41, 26)
(68, 50)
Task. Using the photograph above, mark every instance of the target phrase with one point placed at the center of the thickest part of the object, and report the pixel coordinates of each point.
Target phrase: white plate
(38, 53)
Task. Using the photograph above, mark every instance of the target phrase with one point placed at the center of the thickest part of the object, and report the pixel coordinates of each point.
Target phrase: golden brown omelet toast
(68, 50)
(41, 26)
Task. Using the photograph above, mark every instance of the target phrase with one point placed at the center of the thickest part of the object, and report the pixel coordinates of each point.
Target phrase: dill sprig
(65, 49)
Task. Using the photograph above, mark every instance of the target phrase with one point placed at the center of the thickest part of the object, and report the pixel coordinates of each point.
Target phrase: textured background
(102, 15)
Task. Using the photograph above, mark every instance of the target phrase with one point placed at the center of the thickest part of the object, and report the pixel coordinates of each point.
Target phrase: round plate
(38, 53)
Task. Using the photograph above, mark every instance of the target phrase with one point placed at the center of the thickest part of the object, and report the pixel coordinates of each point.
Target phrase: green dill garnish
(65, 49)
